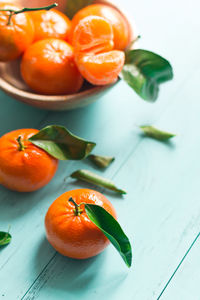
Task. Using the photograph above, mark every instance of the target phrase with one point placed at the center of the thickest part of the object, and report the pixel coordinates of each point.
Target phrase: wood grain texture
(160, 213)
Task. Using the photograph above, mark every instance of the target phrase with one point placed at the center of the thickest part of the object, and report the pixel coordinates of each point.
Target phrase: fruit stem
(77, 210)
(21, 145)
(133, 42)
(25, 9)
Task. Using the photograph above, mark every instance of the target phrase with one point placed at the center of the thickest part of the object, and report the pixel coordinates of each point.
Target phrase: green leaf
(61, 143)
(144, 71)
(88, 176)
(156, 133)
(75, 5)
(5, 238)
(101, 161)
(112, 230)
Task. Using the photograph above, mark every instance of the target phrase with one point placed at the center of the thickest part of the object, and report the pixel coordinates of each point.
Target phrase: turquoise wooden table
(161, 212)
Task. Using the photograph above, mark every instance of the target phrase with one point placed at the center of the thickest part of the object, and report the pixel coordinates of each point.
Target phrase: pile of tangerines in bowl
(58, 54)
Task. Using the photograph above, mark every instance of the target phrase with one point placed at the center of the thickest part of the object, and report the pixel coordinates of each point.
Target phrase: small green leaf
(61, 143)
(156, 133)
(5, 238)
(75, 5)
(144, 71)
(88, 176)
(101, 161)
(112, 230)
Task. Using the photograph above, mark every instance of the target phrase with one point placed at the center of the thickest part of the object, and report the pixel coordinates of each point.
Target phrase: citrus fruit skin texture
(76, 236)
(121, 28)
(16, 37)
(50, 24)
(26, 170)
(48, 67)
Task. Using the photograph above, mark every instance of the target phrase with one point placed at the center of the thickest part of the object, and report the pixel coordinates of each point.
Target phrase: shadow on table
(169, 143)
(62, 272)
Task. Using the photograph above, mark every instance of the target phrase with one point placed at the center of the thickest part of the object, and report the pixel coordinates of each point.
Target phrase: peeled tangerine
(121, 28)
(102, 68)
(93, 44)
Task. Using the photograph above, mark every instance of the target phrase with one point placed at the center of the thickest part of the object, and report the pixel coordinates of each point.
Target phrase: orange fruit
(93, 35)
(50, 24)
(48, 67)
(121, 28)
(24, 169)
(72, 234)
(102, 68)
(92, 40)
(17, 36)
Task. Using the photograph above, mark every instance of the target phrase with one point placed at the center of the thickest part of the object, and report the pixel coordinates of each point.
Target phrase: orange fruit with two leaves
(68, 228)
(93, 44)
(23, 166)
(50, 24)
(16, 32)
(48, 67)
(121, 28)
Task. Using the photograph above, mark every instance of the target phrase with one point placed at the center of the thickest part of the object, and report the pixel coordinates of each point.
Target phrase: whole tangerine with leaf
(29, 157)
(16, 31)
(80, 223)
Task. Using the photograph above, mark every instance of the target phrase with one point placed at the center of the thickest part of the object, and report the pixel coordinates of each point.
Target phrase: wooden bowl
(11, 81)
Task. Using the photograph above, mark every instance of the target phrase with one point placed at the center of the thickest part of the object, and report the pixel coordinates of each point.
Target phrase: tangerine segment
(93, 35)
(101, 69)
(121, 28)
(16, 37)
(48, 67)
(26, 170)
(50, 24)
(76, 236)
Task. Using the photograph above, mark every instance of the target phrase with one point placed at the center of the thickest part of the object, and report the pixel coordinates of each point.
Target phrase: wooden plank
(116, 116)
(186, 277)
(30, 208)
(159, 215)
(14, 115)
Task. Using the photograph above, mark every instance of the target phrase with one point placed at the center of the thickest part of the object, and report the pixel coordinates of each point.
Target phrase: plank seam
(39, 275)
(179, 265)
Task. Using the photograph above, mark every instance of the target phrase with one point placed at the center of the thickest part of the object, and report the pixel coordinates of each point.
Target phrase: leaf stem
(77, 211)
(21, 145)
(25, 9)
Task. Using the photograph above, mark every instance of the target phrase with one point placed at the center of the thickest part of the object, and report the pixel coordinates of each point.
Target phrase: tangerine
(16, 35)
(93, 34)
(102, 68)
(50, 24)
(121, 28)
(48, 67)
(68, 228)
(23, 166)
(92, 40)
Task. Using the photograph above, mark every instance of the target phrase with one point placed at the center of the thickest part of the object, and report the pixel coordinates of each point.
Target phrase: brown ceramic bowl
(12, 83)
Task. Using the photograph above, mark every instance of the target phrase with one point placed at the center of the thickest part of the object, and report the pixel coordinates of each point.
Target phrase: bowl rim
(12, 90)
